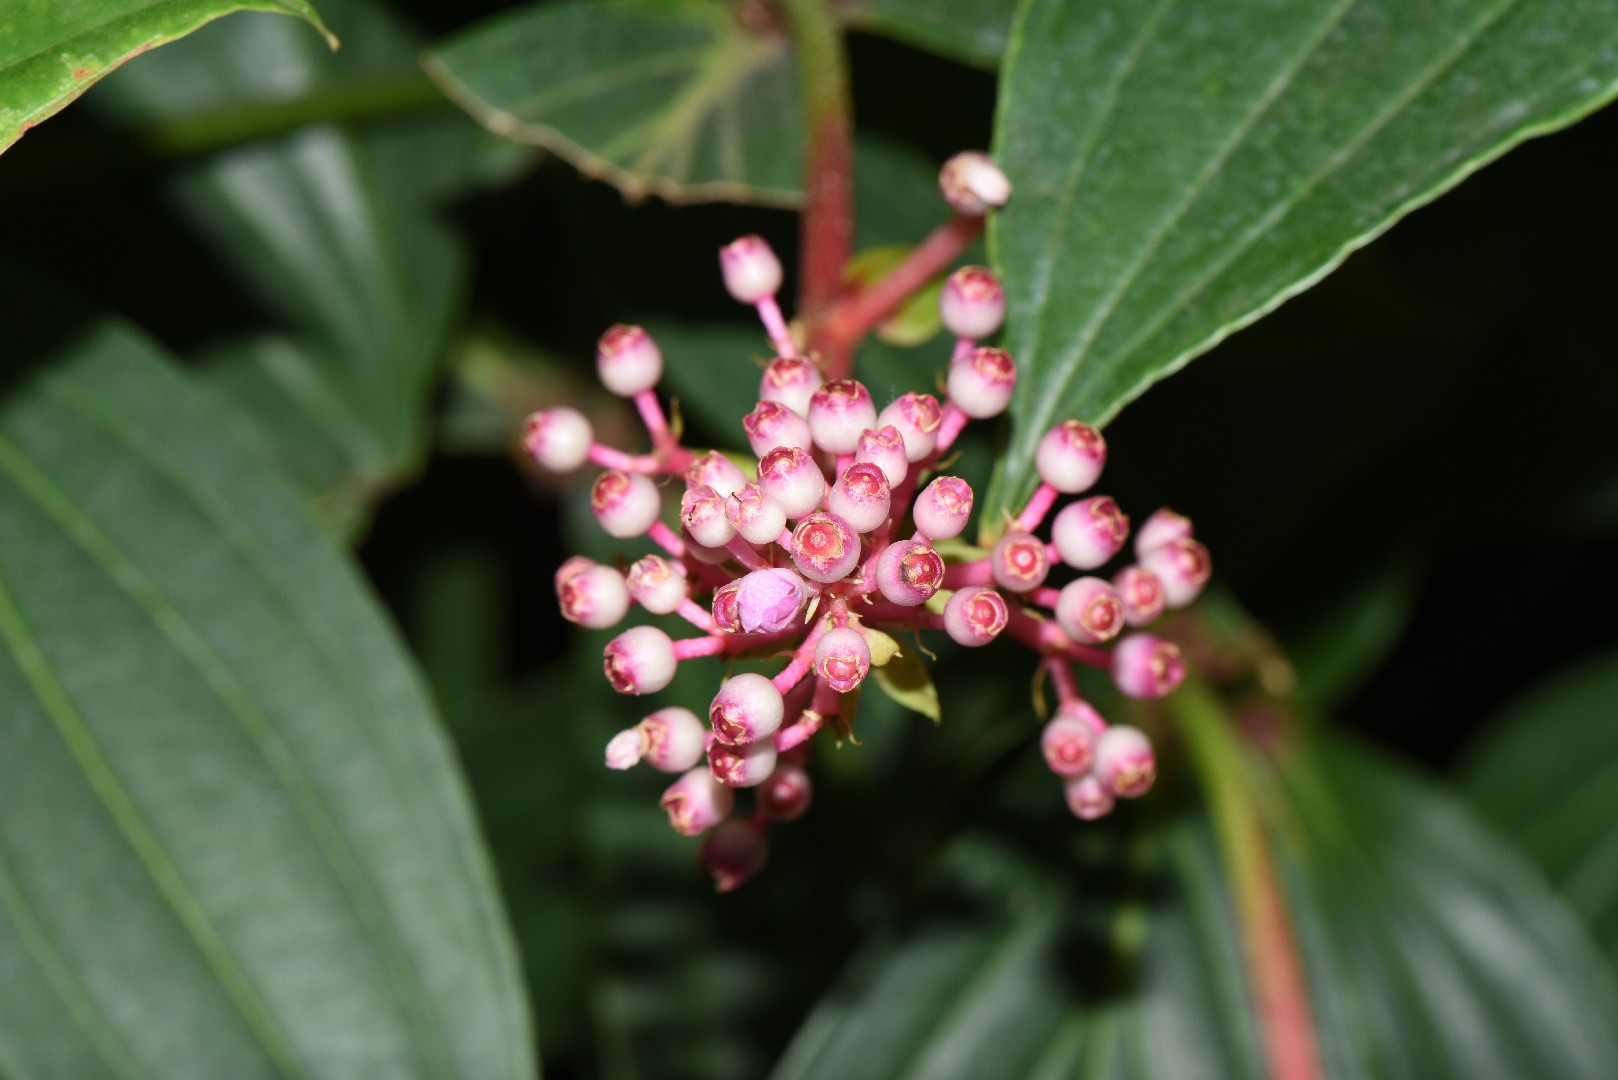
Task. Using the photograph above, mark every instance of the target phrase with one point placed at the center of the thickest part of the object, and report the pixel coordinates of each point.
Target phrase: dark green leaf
(232, 840)
(676, 100)
(52, 50)
(1182, 169)
(973, 31)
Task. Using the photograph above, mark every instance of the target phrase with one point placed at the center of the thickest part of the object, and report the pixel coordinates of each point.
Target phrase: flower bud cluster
(833, 529)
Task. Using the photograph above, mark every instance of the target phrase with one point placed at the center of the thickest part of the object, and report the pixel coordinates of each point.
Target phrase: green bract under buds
(832, 544)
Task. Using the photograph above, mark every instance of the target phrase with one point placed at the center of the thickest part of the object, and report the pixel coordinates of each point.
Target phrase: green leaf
(906, 680)
(1432, 951)
(678, 100)
(232, 839)
(972, 31)
(52, 50)
(1181, 171)
(1546, 774)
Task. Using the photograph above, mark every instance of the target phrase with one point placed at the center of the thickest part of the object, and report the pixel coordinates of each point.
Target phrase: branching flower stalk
(842, 535)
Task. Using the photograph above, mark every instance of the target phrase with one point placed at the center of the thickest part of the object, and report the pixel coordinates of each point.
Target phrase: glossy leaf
(1432, 952)
(906, 680)
(1182, 169)
(682, 101)
(232, 840)
(972, 31)
(51, 52)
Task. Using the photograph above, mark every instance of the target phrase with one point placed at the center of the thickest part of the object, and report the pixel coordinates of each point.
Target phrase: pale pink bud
(769, 600)
(628, 360)
(861, 497)
(1184, 567)
(757, 517)
(792, 381)
(747, 765)
(884, 447)
(672, 739)
(1146, 666)
(702, 511)
(1067, 743)
(1089, 611)
(917, 418)
(640, 660)
(702, 553)
(909, 572)
(624, 749)
(559, 439)
(1124, 762)
(593, 596)
(715, 470)
(696, 802)
(973, 303)
(838, 412)
(973, 184)
(842, 658)
(975, 615)
(734, 853)
(825, 548)
(789, 475)
(1164, 525)
(655, 585)
(727, 614)
(786, 795)
(1087, 798)
(624, 503)
(943, 507)
(1089, 532)
(574, 564)
(772, 424)
(1070, 456)
(747, 708)
(1018, 562)
(751, 270)
(1142, 594)
(980, 385)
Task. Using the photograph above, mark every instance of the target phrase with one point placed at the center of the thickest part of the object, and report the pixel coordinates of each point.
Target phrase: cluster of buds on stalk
(841, 532)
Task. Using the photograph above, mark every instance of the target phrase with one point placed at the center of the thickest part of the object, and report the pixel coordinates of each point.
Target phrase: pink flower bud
(825, 548)
(1142, 594)
(747, 708)
(884, 447)
(733, 853)
(628, 360)
(559, 439)
(842, 658)
(716, 470)
(624, 749)
(1184, 567)
(748, 765)
(592, 595)
(702, 553)
(973, 184)
(773, 424)
(625, 503)
(1146, 666)
(975, 615)
(702, 512)
(792, 381)
(727, 614)
(655, 585)
(757, 517)
(980, 385)
(789, 475)
(751, 270)
(973, 303)
(909, 572)
(672, 739)
(917, 418)
(769, 600)
(640, 660)
(1089, 532)
(696, 802)
(1067, 743)
(1089, 611)
(1087, 798)
(573, 565)
(1018, 562)
(1070, 456)
(1164, 525)
(838, 412)
(1124, 762)
(861, 497)
(786, 795)
(943, 507)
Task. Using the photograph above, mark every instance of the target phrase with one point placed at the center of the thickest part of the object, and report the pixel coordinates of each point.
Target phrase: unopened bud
(727, 614)
(884, 447)
(746, 765)
(973, 303)
(1067, 743)
(1070, 456)
(625, 503)
(593, 596)
(1087, 798)
(624, 749)
(716, 470)
(1142, 594)
(1164, 525)
(696, 802)
(786, 795)
(975, 615)
(838, 412)
(733, 853)
(1018, 562)
(702, 512)
(981, 384)
(792, 381)
(1183, 566)
(655, 585)
(1146, 666)
(772, 424)
(1124, 762)
(973, 184)
(917, 418)
(628, 360)
(942, 509)
(861, 497)
(1089, 611)
(825, 548)
(842, 658)
(758, 518)
(1089, 532)
(558, 439)
(672, 739)
(747, 708)
(751, 270)
(909, 572)
(789, 475)
(640, 660)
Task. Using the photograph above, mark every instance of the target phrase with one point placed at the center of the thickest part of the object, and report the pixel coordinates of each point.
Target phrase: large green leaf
(51, 51)
(232, 840)
(1431, 951)
(1547, 775)
(1181, 169)
(973, 31)
(679, 100)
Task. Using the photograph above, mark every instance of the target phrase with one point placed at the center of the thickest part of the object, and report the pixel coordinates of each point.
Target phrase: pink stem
(1067, 688)
(976, 572)
(802, 659)
(666, 539)
(1045, 597)
(799, 731)
(769, 313)
(608, 458)
(691, 648)
(949, 429)
(651, 414)
(746, 554)
(963, 348)
(1039, 504)
(693, 613)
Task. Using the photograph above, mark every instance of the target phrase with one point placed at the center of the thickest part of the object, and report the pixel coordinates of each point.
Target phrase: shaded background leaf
(971, 31)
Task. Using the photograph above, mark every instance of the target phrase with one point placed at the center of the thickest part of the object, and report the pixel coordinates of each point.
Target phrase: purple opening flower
(768, 600)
